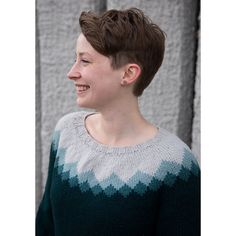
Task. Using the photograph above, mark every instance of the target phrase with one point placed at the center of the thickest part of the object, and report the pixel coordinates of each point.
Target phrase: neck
(122, 125)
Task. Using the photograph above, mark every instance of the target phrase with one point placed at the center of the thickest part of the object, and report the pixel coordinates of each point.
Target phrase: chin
(84, 104)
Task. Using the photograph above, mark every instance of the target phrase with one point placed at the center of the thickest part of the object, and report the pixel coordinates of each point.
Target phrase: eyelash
(82, 60)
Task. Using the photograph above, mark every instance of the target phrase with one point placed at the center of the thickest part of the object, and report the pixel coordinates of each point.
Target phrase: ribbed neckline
(99, 147)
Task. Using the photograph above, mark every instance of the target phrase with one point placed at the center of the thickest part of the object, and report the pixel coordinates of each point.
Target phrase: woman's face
(97, 83)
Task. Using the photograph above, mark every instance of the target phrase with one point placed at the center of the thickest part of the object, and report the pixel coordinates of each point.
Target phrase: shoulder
(171, 141)
(174, 150)
(70, 119)
(68, 128)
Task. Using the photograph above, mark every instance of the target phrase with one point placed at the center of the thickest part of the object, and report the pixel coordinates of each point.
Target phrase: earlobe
(124, 82)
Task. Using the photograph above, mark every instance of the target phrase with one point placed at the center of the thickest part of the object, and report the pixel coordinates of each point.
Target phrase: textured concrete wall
(168, 102)
(38, 145)
(196, 139)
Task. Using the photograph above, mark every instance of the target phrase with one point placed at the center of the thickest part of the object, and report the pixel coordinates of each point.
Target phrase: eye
(85, 61)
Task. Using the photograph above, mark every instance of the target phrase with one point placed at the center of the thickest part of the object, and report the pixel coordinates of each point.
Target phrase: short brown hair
(126, 36)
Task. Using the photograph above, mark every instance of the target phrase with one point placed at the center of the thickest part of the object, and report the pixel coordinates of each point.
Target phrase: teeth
(83, 87)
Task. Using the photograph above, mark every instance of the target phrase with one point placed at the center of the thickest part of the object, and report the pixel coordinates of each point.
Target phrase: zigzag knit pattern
(87, 178)
(73, 162)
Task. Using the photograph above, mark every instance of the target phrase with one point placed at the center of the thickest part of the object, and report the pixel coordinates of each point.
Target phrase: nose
(74, 73)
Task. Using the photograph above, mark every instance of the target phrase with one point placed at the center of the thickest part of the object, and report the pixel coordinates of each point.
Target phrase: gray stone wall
(196, 126)
(169, 102)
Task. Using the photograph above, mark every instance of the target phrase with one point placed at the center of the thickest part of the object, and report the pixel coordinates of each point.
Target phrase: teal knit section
(167, 167)
(55, 140)
(114, 179)
(137, 177)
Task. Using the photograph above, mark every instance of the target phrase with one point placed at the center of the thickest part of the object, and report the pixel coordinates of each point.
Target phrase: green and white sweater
(151, 188)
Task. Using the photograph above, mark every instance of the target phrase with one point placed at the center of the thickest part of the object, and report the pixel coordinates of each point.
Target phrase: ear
(131, 74)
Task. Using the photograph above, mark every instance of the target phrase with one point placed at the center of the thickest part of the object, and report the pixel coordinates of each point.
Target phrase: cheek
(102, 78)
(111, 78)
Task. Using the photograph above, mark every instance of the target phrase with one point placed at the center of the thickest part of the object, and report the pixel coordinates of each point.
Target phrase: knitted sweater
(151, 188)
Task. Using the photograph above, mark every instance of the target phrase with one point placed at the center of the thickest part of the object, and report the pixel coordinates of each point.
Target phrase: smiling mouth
(82, 88)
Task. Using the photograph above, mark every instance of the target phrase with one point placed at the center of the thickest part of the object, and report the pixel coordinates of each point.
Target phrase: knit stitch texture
(151, 188)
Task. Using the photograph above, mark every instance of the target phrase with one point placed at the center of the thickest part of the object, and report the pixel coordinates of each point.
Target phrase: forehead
(83, 46)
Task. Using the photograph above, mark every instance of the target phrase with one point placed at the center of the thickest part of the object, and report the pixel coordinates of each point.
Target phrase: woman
(112, 172)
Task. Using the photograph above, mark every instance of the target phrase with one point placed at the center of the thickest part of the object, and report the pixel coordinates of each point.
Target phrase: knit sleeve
(179, 208)
(44, 218)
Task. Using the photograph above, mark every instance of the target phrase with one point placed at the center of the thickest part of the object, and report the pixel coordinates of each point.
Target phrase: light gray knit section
(125, 162)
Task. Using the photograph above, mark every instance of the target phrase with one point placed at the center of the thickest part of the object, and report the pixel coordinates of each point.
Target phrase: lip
(79, 90)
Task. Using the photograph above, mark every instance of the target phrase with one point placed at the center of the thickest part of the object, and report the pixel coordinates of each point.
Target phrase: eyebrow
(82, 53)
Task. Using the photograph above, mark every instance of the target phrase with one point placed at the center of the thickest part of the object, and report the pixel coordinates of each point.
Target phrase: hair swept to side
(126, 36)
